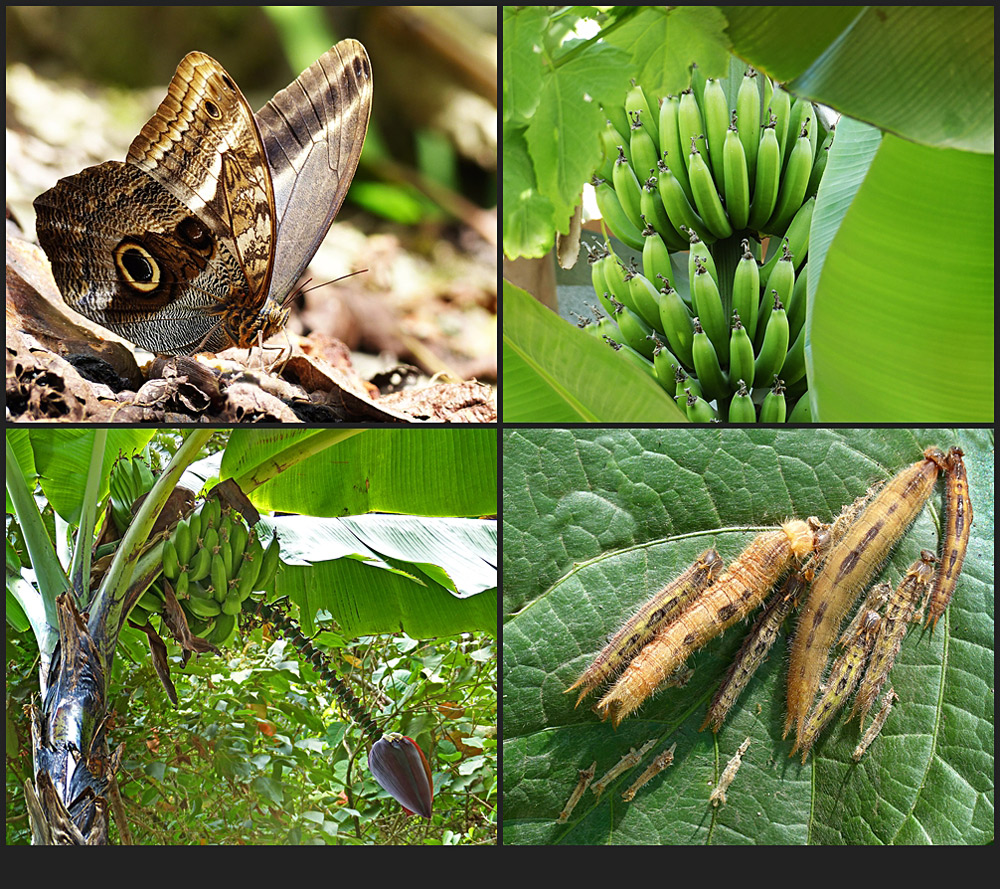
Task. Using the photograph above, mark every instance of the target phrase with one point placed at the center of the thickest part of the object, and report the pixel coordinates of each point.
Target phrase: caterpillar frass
(395, 761)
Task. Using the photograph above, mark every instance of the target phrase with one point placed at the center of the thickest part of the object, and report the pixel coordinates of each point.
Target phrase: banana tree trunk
(68, 802)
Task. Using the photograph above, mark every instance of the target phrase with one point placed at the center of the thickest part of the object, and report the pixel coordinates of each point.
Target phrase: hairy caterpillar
(844, 675)
(958, 526)
(652, 615)
(902, 604)
(738, 591)
(852, 562)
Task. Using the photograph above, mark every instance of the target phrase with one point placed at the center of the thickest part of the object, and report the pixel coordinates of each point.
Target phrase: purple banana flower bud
(401, 768)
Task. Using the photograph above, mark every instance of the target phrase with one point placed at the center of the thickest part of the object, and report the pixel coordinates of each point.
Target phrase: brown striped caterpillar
(844, 675)
(652, 770)
(718, 794)
(628, 761)
(852, 562)
(755, 647)
(735, 594)
(876, 726)
(652, 615)
(899, 610)
(958, 526)
(586, 776)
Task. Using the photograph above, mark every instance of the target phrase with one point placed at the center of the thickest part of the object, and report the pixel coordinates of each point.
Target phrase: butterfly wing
(312, 132)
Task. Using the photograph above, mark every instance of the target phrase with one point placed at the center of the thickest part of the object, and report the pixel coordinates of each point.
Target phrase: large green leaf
(449, 472)
(62, 457)
(922, 72)
(553, 372)
(595, 520)
(901, 324)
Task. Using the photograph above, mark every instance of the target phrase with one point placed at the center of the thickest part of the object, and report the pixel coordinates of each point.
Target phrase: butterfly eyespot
(212, 110)
(228, 83)
(137, 266)
(194, 233)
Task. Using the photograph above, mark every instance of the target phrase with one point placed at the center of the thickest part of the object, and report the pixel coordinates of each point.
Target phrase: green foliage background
(595, 520)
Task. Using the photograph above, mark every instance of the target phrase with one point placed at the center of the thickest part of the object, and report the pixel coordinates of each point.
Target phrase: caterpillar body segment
(958, 526)
(846, 570)
(659, 763)
(718, 794)
(899, 610)
(738, 591)
(876, 726)
(650, 617)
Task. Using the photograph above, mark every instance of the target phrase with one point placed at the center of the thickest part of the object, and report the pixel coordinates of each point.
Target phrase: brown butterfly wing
(312, 132)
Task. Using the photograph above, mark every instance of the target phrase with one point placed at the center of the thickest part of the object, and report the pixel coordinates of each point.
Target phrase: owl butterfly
(196, 241)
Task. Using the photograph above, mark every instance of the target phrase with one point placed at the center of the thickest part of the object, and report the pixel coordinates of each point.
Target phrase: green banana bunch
(214, 562)
(732, 160)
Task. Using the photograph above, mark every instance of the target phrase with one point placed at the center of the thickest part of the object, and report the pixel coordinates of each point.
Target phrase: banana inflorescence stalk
(729, 173)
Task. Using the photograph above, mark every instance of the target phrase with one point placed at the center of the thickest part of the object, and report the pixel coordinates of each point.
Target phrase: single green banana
(213, 514)
(654, 214)
(767, 179)
(615, 218)
(197, 589)
(748, 116)
(199, 627)
(794, 182)
(801, 117)
(232, 604)
(644, 153)
(614, 274)
(746, 290)
(797, 236)
(802, 412)
(670, 143)
(238, 539)
(645, 300)
(794, 368)
(698, 410)
(636, 332)
(203, 608)
(225, 627)
(689, 129)
(772, 410)
(610, 140)
(627, 188)
(655, 256)
(771, 354)
(226, 547)
(201, 562)
(630, 355)
(735, 175)
(617, 118)
(699, 251)
(675, 319)
(597, 259)
(715, 110)
(635, 100)
(272, 555)
(797, 307)
(171, 563)
(706, 198)
(741, 409)
(664, 369)
(706, 364)
(819, 165)
(679, 210)
(781, 110)
(220, 580)
(708, 307)
(741, 360)
(779, 285)
(184, 541)
(151, 602)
